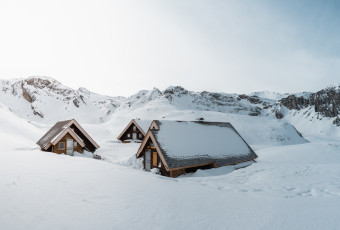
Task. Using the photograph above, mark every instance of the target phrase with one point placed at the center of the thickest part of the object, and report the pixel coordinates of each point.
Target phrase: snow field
(292, 186)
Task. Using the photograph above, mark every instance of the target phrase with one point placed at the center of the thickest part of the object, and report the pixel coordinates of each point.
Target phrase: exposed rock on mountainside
(325, 102)
(293, 102)
(41, 97)
(26, 95)
(45, 100)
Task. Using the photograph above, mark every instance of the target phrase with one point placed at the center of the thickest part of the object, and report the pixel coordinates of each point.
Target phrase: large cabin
(67, 137)
(135, 131)
(179, 147)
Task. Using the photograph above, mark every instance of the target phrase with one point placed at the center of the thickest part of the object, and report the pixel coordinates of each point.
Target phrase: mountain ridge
(46, 99)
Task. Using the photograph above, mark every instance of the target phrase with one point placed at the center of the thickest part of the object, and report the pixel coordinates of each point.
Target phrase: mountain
(45, 100)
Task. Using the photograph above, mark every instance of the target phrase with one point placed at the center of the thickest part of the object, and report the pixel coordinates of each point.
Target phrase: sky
(121, 47)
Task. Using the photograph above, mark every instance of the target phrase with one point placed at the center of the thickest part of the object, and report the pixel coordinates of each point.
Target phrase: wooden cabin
(178, 147)
(135, 131)
(67, 137)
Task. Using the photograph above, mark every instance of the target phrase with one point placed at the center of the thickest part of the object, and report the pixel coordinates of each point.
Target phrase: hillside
(293, 185)
(45, 100)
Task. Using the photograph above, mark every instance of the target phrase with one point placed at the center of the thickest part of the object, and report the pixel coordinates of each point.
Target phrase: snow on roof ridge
(143, 124)
(186, 143)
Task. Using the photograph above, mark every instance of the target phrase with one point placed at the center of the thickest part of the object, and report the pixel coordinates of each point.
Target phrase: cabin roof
(53, 133)
(186, 143)
(61, 128)
(144, 125)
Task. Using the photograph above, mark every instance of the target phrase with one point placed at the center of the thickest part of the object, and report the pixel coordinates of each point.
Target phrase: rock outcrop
(326, 102)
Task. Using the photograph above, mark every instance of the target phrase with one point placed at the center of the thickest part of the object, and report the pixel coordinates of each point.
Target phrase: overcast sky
(120, 47)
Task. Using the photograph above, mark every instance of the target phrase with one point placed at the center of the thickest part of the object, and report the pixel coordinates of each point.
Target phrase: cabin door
(134, 136)
(147, 159)
(69, 147)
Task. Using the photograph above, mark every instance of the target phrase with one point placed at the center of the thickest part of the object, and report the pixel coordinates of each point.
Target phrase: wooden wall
(155, 159)
(89, 146)
(177, 173)
(131, 131)
(77, 148)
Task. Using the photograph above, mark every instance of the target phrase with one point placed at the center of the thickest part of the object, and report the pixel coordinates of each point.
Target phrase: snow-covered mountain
(290, 174)
(46, 100)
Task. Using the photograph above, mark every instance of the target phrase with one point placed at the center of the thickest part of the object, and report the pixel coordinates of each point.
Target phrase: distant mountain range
(46, 100)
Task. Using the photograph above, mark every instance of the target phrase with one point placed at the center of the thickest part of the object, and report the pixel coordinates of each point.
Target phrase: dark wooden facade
(132, 133)
(64, 140)
(155, 160)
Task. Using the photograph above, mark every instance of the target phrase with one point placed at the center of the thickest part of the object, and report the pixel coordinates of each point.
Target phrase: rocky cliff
(325, 102)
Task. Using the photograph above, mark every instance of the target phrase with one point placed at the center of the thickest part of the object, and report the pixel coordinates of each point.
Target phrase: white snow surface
(294, 184)
(269, 95)
(187, 140)
(290, 187)
(144, 124)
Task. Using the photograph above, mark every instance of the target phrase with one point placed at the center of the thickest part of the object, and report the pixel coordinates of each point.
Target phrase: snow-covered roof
(144, 124)
(53, 133)
(185, 143)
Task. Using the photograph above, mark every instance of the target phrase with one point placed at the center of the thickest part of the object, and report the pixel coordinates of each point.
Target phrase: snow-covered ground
(294, 184)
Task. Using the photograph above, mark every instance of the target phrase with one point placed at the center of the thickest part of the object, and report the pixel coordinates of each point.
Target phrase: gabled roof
(55, 131)
(184, 143)
(142, 126)
(58, 137)
(60, 129)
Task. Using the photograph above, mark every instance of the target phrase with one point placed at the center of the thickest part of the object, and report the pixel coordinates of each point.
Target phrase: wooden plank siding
(77, 148)
(156, 159)
(156, 162)
(130, 131)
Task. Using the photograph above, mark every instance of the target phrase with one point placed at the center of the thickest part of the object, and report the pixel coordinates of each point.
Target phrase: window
(154, 159)
(75, 144)
(134, 128)
(152, 145)
(61, 145)
(140, 135)
(128, 135)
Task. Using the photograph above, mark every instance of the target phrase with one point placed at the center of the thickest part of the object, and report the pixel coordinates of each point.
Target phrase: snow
(190, 139)
(290, 187)
(305, 95)
(269, 95)
(55, 102)
(294, 184)
(144, 124)
(311, 125)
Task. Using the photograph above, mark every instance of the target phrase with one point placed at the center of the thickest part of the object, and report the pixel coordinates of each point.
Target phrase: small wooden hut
(67, 137)
(135, 131)
(178, 147)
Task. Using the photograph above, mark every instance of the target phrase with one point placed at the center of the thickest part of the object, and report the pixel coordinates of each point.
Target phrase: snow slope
(46, 100)
(257, 131)
(293, 185)
(16, 131)
(290, 187)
